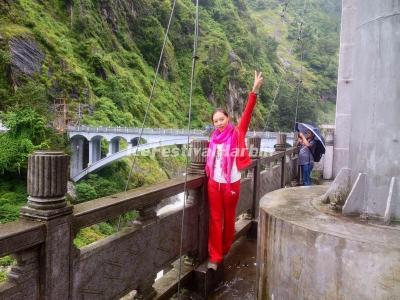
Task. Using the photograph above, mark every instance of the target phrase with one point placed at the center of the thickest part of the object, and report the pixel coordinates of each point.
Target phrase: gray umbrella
(303, 127)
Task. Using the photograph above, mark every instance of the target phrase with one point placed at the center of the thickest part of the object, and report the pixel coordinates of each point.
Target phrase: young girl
(227, 156)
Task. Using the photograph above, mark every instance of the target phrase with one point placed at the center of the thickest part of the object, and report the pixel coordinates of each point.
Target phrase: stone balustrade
(49, 266)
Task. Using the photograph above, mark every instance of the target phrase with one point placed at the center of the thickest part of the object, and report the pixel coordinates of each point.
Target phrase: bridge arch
(123, 153)
(78, 135)
(118, 137)
(135, 141)
(114, 144)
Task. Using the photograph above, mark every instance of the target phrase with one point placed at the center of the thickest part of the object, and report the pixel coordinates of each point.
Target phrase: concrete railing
(162, 131)
(128, 130)
(49, 266)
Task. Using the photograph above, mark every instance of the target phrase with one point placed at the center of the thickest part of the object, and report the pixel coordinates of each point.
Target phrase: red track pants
(222, 205)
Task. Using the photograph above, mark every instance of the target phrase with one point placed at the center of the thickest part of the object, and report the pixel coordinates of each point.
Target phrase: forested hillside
(99, 56)
(103, 53)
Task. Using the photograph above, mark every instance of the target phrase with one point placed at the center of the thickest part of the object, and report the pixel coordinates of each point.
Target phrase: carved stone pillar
(254, 146)
(280, 142)
(47, 186)
(198, 155)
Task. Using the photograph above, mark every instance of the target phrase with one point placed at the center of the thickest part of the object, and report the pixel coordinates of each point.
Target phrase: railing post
(198, 158)
(254, 146)
(47, 186)
(281, 146)
(145, 288)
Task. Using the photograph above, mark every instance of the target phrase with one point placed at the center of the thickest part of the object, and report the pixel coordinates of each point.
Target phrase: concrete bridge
(86, 155)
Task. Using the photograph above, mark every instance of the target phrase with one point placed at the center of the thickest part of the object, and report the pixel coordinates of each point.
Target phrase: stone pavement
(239, 272)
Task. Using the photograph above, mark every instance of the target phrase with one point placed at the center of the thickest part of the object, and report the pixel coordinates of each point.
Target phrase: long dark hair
(221, 110)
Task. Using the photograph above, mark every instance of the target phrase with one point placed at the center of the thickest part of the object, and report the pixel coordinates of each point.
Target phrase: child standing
(227, 156)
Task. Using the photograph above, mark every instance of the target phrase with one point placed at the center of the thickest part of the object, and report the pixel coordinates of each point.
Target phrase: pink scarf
(228, 139)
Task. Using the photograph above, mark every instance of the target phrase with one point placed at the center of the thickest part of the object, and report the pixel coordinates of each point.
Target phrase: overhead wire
(150, 99)
(283, 14)
(185, 192)
(300, 41)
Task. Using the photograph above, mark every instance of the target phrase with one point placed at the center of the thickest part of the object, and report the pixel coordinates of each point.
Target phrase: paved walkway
(239, 272)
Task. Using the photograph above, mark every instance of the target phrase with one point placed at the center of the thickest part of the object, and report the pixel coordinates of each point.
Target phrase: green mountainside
(103, 54)
(99, 58)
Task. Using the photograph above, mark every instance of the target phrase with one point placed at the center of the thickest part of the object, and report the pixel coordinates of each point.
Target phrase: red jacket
(243, 159)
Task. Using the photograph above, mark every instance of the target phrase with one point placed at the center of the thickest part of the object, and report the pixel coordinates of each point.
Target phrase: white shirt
(218, 175)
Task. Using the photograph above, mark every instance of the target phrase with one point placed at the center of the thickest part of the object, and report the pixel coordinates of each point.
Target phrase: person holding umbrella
(306, 160)
(312, 148)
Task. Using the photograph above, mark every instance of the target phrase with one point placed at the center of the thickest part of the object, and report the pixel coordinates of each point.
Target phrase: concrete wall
(375, 111)
(345, 84)
(304, 253)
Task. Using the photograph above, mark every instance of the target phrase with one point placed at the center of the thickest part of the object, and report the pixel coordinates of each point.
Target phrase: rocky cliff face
(236, 93)
(235, 99)
(26, 58)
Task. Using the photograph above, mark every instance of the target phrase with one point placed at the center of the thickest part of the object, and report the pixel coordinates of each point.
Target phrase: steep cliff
(103, 54)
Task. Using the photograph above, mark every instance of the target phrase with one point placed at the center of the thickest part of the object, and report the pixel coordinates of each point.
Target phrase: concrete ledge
(205, 280)
(306, 251)
(167, 285)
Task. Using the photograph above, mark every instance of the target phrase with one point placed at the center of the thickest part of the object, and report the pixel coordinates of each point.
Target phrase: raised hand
(258, 80)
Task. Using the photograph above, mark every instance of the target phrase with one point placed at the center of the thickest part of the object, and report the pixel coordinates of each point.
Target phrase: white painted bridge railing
(128, 130)
(163, 131)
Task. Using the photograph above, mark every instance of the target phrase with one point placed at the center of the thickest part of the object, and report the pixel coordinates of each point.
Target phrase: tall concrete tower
(368, 113)
(306, 248)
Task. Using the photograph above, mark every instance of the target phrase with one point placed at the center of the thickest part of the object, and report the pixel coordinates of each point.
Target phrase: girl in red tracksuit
(227, 155)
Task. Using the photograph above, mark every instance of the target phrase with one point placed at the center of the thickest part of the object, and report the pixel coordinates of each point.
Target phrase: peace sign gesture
(258, 80)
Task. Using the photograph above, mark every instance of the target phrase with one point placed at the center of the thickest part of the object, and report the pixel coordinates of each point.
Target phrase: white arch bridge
(87, 157)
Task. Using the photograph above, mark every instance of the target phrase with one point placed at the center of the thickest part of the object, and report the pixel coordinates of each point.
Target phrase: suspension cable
(277, 90)
(194, 59)
(149, 100)
(300, 38)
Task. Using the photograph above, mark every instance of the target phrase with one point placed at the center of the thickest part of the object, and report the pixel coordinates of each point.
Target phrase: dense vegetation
(102, 53)
(100, 56)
